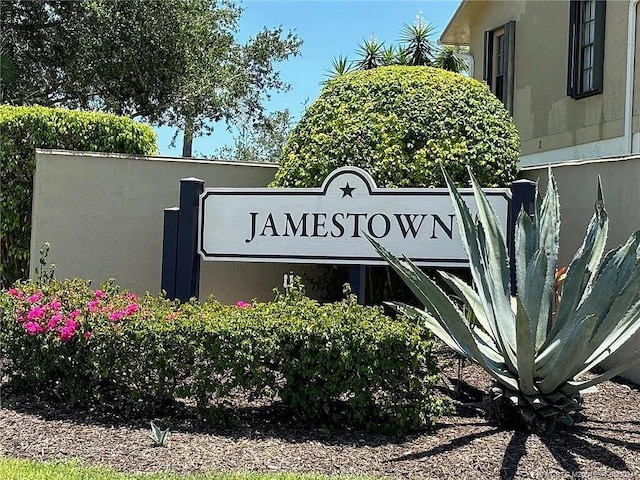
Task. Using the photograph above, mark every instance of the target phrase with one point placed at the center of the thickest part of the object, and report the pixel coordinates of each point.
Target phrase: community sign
(328, 224)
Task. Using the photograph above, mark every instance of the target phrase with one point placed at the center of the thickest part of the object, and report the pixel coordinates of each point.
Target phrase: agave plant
(158, 435)
(538, 357)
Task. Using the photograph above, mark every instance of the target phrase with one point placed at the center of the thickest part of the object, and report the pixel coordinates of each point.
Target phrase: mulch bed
(604, 443)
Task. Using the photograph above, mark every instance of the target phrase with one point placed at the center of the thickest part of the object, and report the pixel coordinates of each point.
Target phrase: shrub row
(336, 363)
(22, 130)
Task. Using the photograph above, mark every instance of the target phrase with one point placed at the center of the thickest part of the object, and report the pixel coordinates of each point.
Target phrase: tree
(418, 50)
(167, 62)
(260, 142)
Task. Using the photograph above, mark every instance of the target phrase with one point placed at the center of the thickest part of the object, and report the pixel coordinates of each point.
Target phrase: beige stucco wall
(577, 189)
(103, 216)
(547, 119)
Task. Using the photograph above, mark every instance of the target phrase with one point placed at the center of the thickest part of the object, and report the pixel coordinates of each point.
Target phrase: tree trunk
(187, 139)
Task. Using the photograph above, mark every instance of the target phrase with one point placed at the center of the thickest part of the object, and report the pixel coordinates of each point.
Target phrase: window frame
(491, 62)
(578, 45)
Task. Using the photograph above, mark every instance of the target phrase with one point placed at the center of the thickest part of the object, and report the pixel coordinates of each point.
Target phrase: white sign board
(326, 224)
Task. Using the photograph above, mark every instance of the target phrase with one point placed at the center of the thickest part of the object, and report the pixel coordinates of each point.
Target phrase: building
(566, 69)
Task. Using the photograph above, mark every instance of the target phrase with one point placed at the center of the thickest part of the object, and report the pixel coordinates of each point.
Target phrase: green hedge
(22, 130)
(400, 124)
(339, 363)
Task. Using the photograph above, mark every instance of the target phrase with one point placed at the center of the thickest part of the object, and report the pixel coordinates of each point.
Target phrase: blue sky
(328, 28)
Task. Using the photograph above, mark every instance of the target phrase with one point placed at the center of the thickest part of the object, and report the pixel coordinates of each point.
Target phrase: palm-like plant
(446, 59)
(537, 357)
(370, 53)
(339, 66)
(419, 49)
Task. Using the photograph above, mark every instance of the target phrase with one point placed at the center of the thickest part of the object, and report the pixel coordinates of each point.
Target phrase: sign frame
(210, 194)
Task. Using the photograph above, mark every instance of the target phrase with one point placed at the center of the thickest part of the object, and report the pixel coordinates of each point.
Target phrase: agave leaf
(440, 307)
(573, 387)
(432, 324)
(596, 259)
(531, 298)
(572, 355)
(526, 244)
(610, 281)
(579, 274)
(613, 319)
(463, 290)
(549, 241)
(616, 269)
(628, 326)
(497, 262)
(494, 297)
(525, 350)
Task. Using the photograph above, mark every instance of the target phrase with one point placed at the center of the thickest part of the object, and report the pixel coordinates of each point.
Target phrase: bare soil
(603, 444)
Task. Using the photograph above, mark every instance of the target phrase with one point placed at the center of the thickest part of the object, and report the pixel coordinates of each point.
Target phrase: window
(499, 54)
(586, 47)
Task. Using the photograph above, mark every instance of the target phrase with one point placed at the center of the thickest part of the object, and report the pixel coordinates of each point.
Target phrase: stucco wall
(103, 216)
(577, 189)
(547, 119)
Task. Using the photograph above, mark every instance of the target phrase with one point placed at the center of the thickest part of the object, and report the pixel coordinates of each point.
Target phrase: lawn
(17, 469)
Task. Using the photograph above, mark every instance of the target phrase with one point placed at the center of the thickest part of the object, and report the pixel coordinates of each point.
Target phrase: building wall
(577, 183)
(547, 119)
(103, 216)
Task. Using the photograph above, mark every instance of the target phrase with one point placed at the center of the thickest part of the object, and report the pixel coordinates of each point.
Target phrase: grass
(15, 469)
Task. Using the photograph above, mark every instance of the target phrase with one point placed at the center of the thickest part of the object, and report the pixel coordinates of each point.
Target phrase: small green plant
(158, 435)
(537, 357)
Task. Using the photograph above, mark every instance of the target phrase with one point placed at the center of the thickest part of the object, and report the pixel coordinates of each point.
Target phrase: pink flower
(131, 308)
(93, 305)
(33, 328)
(131, 296)
(68, 330)
(55, 305)
(88, 335)
(74, 314)
(36, 313)
(99, 294)
(117, 315)
(242, 304)
(54, 321)
(15, 293)
(36, 297)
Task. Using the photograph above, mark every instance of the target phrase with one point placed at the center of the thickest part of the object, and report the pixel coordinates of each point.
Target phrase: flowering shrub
(337, 362)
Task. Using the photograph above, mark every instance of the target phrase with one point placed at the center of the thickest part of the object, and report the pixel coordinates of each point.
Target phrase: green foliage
(335, 363)
(536, 355)
(167, 62)
(400, 124)
(260, 141)
(22, 130)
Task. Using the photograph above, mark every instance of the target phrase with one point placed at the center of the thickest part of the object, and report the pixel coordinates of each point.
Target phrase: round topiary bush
(399, 124)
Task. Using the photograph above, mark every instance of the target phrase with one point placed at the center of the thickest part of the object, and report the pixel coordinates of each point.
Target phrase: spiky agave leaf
(536, 356)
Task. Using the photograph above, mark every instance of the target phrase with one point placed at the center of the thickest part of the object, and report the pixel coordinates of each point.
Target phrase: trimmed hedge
(400, 124)
(22, 130)
(339, 363)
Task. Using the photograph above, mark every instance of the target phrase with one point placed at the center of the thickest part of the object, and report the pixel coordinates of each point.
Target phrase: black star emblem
(346, 190)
